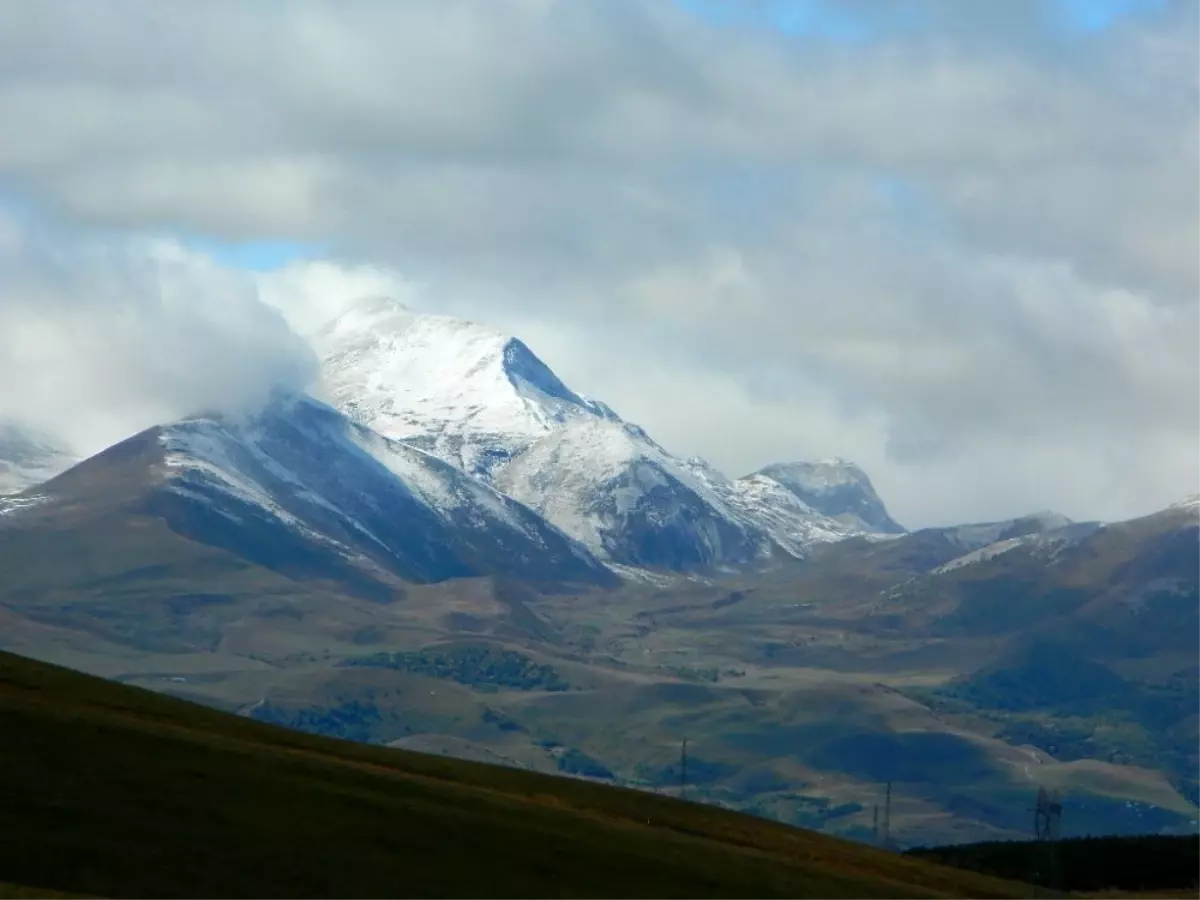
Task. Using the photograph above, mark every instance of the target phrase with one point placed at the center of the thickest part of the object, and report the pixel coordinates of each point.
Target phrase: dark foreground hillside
(113, 791)
(1143, 863)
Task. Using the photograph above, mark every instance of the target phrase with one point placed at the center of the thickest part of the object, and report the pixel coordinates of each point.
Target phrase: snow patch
(10, 506)
(991, 551)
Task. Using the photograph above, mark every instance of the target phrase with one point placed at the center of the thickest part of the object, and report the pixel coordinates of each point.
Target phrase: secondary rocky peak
(836, 488)
(821, 474)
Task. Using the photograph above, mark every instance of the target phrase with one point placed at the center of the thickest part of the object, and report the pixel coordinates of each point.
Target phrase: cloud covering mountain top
(100, 338)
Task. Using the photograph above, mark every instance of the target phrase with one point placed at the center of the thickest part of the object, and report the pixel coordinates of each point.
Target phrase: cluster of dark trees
(1135, 863)
(477, 665)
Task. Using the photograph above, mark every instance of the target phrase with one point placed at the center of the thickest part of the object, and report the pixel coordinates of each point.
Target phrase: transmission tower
(887, 817)
(683, 770)
(1047, 816)
(1047, 827)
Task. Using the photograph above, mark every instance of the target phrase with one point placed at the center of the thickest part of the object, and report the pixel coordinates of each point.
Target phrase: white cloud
(310, 293)
(100, 338)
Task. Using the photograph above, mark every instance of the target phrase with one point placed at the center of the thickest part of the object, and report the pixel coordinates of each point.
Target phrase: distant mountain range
(446, 548)
(467, 455)
(463, 422)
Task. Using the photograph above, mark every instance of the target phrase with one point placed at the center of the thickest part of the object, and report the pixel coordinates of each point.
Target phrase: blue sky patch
(258, 256)
(796, 18)
(863, 22)
(1091, 16)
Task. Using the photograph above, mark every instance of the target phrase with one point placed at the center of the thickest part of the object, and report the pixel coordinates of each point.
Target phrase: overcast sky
(953, 241)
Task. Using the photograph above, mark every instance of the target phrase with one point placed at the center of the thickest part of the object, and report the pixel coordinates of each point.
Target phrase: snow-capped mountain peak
(483, 402)
(450, 448)
(469, 394)
(368, 316)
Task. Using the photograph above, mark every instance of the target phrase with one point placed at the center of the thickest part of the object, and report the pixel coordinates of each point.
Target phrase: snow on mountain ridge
(608, 485)
(791, 522)
(1046, 535)
(977, 535)
(483, 402)
(468, 394)
(194, 444)
(305, 465)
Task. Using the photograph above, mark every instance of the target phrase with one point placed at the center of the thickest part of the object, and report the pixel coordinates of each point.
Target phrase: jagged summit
(469, 394)
(836, 488)
(482, 401)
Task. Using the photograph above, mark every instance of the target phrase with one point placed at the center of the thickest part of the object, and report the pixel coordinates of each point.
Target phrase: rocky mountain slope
(299, 488)
(607, 484)
(483, 402)
(836, 488)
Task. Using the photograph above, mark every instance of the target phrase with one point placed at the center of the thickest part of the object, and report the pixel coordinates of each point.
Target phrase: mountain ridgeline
(452, 450)
(454, 552)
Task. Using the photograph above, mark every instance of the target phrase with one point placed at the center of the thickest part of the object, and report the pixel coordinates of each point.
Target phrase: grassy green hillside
(114, 791)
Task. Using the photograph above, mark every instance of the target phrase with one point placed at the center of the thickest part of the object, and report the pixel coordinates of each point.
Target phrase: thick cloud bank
(100, 338)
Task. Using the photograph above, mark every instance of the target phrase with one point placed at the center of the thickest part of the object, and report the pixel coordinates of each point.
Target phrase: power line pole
(683, 770)
(887, 817)
(875, 825)
(1047, 828)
